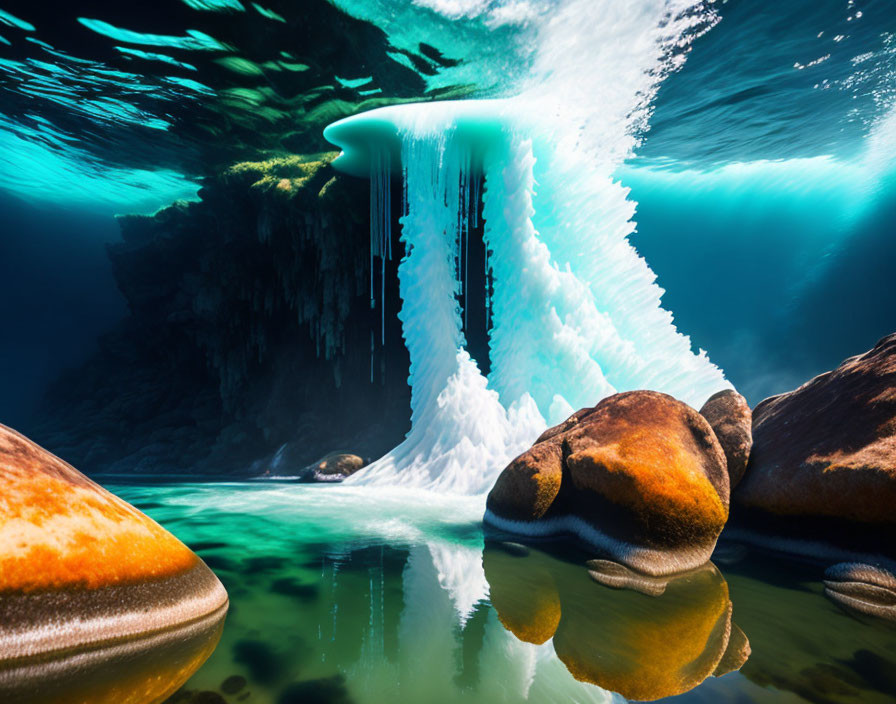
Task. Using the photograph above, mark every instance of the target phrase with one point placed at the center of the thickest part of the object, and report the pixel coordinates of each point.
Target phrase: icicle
(380, 224)
(371, 356)
(374, 215)
(477, 185)
(466, 232)
(488, 293)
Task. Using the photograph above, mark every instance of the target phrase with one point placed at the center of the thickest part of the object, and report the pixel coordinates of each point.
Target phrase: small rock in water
(233, 684)
(334, 467)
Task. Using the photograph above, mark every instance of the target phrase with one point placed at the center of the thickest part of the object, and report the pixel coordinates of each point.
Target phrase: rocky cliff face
(248, 345)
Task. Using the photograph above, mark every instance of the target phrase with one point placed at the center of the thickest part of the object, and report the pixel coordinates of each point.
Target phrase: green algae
(238, 64)
(285, 174)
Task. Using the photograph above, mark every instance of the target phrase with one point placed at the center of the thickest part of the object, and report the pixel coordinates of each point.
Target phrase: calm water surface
(344, 595)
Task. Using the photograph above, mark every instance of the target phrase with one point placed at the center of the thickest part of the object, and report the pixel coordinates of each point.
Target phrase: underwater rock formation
(822, 473)
(97, 601)
(640, 476)
(250, 346)
(730, 417)
(644, 648)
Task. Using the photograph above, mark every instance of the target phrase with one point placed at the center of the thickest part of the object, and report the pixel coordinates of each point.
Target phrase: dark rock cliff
(247, 349)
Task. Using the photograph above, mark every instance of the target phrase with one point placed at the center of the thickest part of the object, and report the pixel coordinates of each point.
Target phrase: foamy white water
(577, 314)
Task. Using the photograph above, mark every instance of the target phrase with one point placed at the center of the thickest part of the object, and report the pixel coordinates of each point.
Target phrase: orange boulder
(86, 578)
(640, 476)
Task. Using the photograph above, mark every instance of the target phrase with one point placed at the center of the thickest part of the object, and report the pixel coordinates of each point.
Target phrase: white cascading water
(576, 312)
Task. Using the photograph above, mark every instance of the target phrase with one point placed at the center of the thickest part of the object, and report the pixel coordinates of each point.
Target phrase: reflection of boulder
(97, 601)
(640, 476)
(730, 417)
(802, 643)
(868, 589)
(736, 654)
(643, 647)
(526, 600)
(823, 464)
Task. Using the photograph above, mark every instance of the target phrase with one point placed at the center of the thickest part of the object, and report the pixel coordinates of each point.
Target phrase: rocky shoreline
(645, 480)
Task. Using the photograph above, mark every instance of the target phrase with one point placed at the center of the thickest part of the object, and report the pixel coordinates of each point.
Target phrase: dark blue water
(58, 297)
(763, 182)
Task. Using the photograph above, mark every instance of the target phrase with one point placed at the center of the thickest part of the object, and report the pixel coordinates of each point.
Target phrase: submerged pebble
(233, 684)
(327, 690)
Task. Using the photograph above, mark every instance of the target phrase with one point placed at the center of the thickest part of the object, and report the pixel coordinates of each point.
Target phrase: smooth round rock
(87, 580)
(641, 476)
(526, 489)
(730, 417)
(828, 449)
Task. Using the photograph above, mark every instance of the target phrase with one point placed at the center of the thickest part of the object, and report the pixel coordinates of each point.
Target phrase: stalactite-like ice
(576, 314)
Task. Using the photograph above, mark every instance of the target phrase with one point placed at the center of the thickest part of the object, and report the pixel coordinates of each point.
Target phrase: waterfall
(565, 333)
(459, 426)
(575, 312)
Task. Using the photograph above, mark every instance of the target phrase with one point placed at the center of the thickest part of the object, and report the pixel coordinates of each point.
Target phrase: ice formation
(575, 313)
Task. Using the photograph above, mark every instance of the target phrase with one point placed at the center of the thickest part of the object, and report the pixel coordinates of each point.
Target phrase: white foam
(576, 312)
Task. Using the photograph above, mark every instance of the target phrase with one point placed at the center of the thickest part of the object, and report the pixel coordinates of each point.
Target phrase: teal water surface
(355, 595)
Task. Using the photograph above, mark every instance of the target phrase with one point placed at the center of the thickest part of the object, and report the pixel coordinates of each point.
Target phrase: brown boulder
(730, 417)
(526, 489)
(826, 454)
(640, 476)
(98, 602)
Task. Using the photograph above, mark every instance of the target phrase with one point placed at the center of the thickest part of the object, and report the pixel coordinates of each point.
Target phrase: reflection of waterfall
(460, 574)
(440, 582)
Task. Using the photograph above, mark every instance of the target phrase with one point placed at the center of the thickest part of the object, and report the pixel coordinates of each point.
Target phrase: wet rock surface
(863, 588)
(332, 468)
(640, 476)
(247, 349)
(730, 417)
(823, 463)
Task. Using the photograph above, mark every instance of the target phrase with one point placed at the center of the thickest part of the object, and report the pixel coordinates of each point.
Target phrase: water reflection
(368, 611)
(644, 644)
(136, 671)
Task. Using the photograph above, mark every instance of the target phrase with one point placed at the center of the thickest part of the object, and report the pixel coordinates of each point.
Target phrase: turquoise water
(368, 596)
